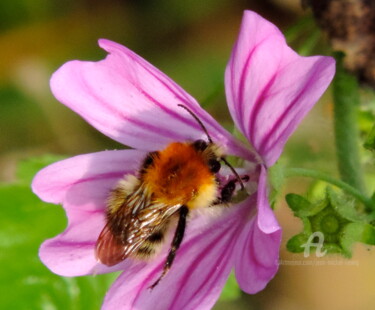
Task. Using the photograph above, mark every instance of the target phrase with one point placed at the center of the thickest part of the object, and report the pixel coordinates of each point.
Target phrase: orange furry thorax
(180, 175)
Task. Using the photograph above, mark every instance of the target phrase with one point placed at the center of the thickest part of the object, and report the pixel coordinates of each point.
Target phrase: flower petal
(257, 249)
(72, 252)
(269, 87)
(85, 179)
(82, 184)
(267, 221)
(257, 255)
(198, 274)
(129, 100)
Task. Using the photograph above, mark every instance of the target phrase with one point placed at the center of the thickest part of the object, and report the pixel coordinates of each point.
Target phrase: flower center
(330, 224)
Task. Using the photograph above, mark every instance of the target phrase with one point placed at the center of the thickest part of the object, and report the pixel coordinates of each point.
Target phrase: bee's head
(212, 152)
(210, 147)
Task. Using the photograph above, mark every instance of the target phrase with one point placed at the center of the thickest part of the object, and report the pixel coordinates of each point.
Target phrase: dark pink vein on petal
(237, 227)
(235, 60)
(221, 261)
(242, 86)
(263, 145)
(168, 86)
(103, 176)
(193, 124)
(91, 212)
(233, 64)
(143, 136)
(169, 112)
(182, 251)
(159, 75)
(251, 253)
(241, 89)
(143, 125)
(184, 97)
(257, 108)
(193, 265)
(157, 270)
(181, 95)
(75, 244)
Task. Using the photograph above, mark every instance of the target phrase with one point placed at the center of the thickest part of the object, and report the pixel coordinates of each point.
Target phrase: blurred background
(190, 41)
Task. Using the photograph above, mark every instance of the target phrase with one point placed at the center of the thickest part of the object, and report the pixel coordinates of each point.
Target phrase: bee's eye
(148, 161)
(200, 145)
(214, 165)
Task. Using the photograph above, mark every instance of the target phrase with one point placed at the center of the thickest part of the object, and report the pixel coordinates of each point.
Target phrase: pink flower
(269, 90)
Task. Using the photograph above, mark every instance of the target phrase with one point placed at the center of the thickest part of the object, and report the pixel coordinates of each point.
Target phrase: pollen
(180, 175)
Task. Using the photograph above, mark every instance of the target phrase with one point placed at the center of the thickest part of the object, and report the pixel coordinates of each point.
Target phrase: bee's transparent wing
(130, 226)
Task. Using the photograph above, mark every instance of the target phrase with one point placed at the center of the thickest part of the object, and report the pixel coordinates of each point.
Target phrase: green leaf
(231, 289)
(26, 283)
(295, 243)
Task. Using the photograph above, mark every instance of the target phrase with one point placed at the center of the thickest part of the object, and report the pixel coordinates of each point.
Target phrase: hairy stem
(346, 102)
(301, 172)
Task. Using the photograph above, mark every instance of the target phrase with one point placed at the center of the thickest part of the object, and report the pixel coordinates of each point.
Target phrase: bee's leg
(227, 191)
(176, 242)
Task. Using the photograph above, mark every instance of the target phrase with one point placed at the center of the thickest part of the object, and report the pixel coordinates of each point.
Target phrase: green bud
(331, 225)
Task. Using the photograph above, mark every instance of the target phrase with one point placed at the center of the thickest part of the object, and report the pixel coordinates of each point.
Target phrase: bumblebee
(169, 184)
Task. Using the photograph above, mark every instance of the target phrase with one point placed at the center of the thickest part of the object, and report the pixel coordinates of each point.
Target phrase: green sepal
(295, 244)
(368, 235)
(276, 175)
(347, 208)
(307, 229)
(276, 178)
(332, 248)
(356, 232)
(301, 207)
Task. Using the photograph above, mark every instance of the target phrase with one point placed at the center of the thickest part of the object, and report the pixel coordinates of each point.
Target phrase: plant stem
(292, 172)
(346, 102)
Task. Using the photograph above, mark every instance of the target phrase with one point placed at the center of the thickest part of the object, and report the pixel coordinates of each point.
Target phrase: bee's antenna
(234, 172)
(210, 140)
(198, 120)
